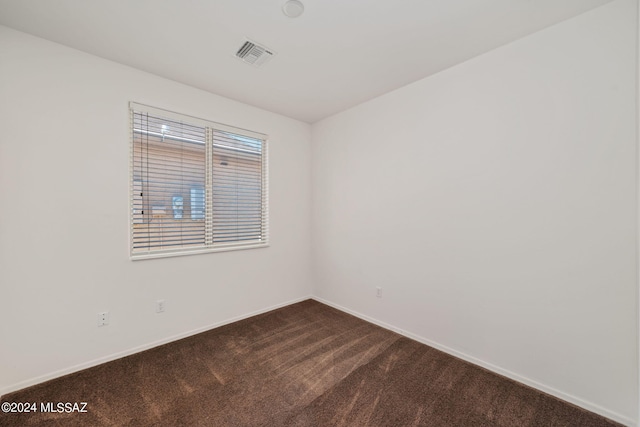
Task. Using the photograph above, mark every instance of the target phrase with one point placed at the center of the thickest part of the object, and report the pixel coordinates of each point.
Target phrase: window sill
(183, 252)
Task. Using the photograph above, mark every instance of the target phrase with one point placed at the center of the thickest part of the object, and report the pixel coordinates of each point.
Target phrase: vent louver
(253, 53)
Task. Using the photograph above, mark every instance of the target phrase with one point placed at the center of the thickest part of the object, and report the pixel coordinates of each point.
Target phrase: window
(196, 186)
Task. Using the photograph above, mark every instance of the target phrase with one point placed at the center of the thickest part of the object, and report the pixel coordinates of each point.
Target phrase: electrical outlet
(379, 292)
(160, 306)
(103, 318)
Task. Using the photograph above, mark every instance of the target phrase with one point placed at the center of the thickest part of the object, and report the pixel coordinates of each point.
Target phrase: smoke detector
(293, 8)
(254, 54)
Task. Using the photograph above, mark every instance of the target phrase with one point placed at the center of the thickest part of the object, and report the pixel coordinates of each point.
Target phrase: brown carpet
(303, 365)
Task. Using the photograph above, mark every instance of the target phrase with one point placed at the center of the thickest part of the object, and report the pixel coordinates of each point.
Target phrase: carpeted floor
(303, 365)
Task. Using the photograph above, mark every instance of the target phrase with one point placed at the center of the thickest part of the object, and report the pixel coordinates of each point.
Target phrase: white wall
(494, 203)
(64, 171)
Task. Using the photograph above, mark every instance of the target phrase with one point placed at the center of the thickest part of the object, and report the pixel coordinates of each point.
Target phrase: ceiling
(338, 54)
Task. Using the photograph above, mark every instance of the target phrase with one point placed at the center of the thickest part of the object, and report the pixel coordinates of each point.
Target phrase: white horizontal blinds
(238, 189)
(196, 185)
(168, 184)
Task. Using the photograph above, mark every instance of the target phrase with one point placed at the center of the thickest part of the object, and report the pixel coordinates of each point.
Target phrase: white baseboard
(498, 370)
(138, 349)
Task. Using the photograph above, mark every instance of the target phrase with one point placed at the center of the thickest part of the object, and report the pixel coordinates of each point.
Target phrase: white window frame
(211, 126)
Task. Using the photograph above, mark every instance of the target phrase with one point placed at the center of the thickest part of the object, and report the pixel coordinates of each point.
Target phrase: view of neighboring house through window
(197, 203)
(195, 185)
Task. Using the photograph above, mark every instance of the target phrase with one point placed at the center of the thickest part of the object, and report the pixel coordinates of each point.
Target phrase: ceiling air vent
(254, 53)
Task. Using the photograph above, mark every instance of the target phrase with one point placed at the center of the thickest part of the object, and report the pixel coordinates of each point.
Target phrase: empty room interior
(310, 213)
